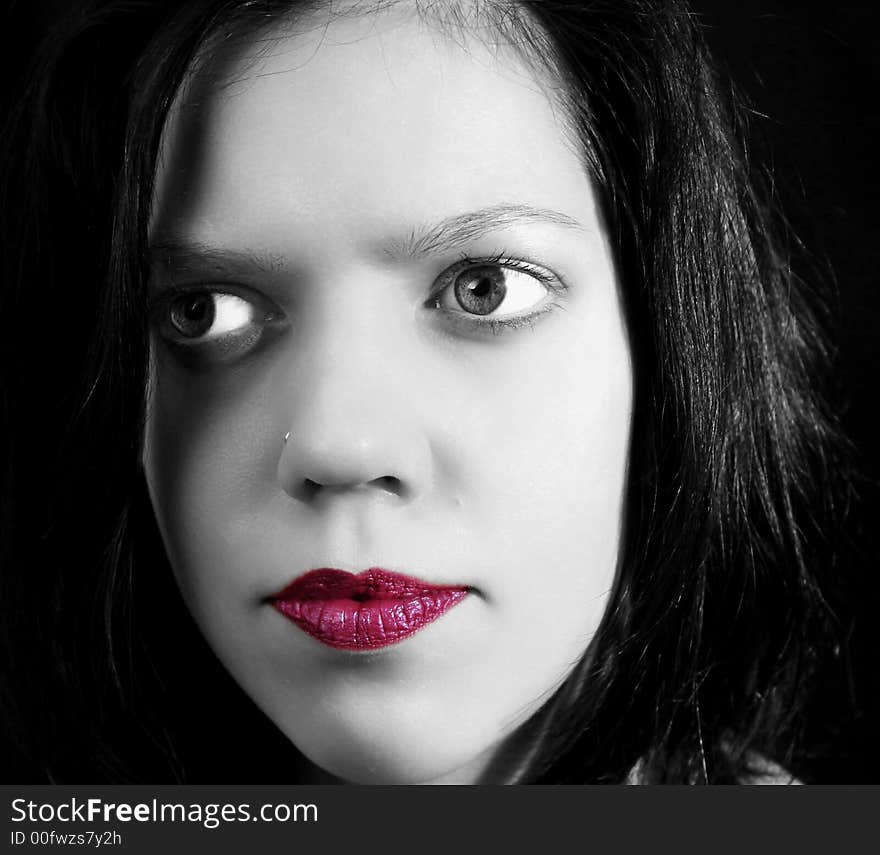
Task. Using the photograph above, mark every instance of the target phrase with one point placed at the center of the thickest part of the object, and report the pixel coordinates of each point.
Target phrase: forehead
(362, 120)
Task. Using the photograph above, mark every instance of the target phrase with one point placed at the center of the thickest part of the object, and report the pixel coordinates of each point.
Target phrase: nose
(355, 426)
(350, 457)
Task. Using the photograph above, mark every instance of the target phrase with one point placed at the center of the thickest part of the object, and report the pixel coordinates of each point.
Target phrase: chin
(392, 757)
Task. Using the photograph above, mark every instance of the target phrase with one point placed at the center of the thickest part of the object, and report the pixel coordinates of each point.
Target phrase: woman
(475, 403)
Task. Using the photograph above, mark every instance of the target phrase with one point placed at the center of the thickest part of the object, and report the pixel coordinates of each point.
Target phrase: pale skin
(327, 194)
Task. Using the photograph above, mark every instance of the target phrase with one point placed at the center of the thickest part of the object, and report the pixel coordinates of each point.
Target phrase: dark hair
(699, 667)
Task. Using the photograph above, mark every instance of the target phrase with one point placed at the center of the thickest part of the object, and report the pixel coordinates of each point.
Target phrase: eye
(206, 325)
(207, 315)
(499, 290)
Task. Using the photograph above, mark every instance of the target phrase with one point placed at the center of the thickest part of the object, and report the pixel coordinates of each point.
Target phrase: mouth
(364, 611)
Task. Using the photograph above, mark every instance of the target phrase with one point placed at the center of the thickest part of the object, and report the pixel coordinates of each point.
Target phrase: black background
(812, 76)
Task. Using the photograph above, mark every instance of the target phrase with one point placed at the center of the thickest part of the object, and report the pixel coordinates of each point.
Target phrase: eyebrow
(180, 255)
(459, 230)
(183, 255)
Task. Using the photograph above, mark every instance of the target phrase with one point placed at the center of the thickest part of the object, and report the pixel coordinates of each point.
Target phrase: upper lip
(376, 583)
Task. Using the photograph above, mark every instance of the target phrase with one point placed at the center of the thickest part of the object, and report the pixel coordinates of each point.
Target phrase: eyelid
(168, 292)
(206, 352)
(541, 272)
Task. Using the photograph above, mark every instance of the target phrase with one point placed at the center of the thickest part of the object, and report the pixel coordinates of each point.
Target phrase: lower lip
(368, 611)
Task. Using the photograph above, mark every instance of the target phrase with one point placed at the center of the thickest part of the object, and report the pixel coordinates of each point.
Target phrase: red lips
(365, 611)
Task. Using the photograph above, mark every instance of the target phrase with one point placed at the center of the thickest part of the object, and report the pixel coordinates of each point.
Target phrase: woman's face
(379, 239)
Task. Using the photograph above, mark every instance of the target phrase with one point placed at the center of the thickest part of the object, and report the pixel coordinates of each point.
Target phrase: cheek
(545, 489)
(558, 416)
(206, 467)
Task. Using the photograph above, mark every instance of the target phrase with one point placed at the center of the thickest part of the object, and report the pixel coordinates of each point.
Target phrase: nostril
(390, 484)
(309, 489)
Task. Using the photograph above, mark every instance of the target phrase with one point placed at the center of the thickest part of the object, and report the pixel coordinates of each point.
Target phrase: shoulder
(761, 771)
(764, 771)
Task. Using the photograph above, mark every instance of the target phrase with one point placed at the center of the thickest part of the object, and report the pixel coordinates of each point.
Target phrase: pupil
(196, 309)
(482, 288)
